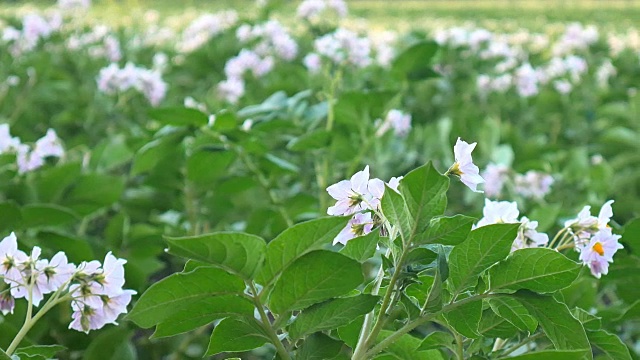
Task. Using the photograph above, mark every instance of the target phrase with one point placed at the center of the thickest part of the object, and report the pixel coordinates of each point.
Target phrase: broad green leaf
(631, 236)
(84, 197)
(205, 166)
(153, 152)
(201, 312)
(514, 312)
(331, 314)
(4, 356)
(564, 331)
(420, 257)
(297, 241)
(111, 344)
(315, 277)
(610, 345)
(552, 355)
(424, 191)
(234, 335)
(420, 289)
(438, 340)
(589, 321)
(316, 139)
(484, 247)
(395, 210)
(319, 347)
(42, 215)
(235, 252)
(39, 351)
(541, 270)
(112, 152)
(493, 325)
(179, 116)
(406, 348)
(446, 230)
(414, 63)
(350, 333)
(11, 218)
(175, 292)
(362, 248)
(466, 318)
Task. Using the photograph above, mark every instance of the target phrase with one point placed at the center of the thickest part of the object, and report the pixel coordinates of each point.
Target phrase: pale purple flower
(11, 259)
(7, 142)
(7, 302)
(395, 182)
(396, 120)
(111, 280)
(86, 318)
(464, 167)
(495, 176)
(313, 63)
(231, 89)
(27, 160)
(528, 237)
(49, 145)
(598, 253)
(360, 224)
(31, 281)
(526, 80)
(533, 184)
(57, 272)
(116, 305)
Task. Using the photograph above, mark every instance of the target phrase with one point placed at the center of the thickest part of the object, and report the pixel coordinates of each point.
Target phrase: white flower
(49, 145)
(7, 143)
(464, 166)
(231, 89)
(598, 253)
(499, 212)
(395, 182)
(355, 195)
(111, 280)
(7, 302)
(313, 63)
(116, 305)
(86, 318)
(56, 272)
(360, 224)
(11, 259)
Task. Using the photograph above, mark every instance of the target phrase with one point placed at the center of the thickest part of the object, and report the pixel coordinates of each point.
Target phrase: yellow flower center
(597, 247)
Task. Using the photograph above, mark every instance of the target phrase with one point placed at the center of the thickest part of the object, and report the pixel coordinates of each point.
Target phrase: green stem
(266, 324)
(557, 237)
(520, 344)
(459, 348)
(417, 322)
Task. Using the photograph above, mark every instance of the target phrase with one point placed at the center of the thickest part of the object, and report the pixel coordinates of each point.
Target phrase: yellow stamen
(597, 247)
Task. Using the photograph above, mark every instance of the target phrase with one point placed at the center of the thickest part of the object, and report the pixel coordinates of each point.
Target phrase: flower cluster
(396, 120)
(113, 79)
(204, 28)
(28, 158)
(532, 184)
(68, 5)
(34, 28)
(99, 43)
(94, 289)
(270, 38)
(593, 238)
(341, 47)
(505, 212)
(358, 196)
(313, 10)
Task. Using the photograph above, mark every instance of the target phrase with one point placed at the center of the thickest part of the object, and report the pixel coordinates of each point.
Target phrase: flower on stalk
(528, 237)
(499, 212)
(355, 195)
(7, 302)
(396, 120)
(586, 225)
(598, 253)
(360, 224)
(464, 167)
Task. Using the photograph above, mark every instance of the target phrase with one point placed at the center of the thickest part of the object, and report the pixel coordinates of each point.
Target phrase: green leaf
(282, 163)
(406, 348)
(238, 253)
(610, 345)
(11, 218)
(493, 325)
(434, 298)
(316, 139)
(319, 347)
(589, 321)
(315, 277)
(514, 312)
(201, 312)
(297, 241)
(541, 270)
(424, 191)
(153, 152)
(43, 215)
(179, 116)
(331, 314)
(111, 344)
(350, 333)
(362, 248)
(447, 230)
(206, 166)
(564, 331)
(420, 257)
(438, 340)
(4, 356)
(39, 351)
(396, 211)
(175, 292)
(485, 246)
(466, 318)
(84, 198)
(552, 355)
(234, 335)
(414, 63)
